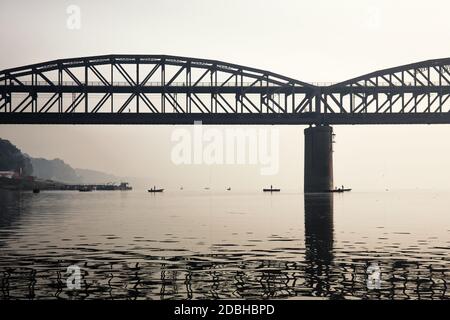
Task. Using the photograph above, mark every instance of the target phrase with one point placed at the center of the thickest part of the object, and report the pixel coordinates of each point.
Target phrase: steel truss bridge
(162, 89)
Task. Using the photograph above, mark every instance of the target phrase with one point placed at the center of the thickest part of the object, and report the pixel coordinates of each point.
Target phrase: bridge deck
(223, 118)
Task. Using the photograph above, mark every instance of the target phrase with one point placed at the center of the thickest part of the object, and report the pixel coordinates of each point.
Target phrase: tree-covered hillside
(12, 159)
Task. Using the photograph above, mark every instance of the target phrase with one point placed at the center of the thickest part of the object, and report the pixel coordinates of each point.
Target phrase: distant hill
(12, 159)
(93, 176)
(56, 170)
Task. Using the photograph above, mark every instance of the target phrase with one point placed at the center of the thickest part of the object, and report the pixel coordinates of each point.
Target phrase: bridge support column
(318, 172)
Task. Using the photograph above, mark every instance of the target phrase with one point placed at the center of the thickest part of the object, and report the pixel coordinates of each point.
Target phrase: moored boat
(85, 189)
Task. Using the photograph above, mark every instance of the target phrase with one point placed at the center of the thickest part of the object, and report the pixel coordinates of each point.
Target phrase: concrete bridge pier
(318, 171)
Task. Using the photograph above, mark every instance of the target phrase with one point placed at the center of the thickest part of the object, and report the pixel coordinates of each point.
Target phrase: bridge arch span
(427, 73)
(155, 84)
(184, 63)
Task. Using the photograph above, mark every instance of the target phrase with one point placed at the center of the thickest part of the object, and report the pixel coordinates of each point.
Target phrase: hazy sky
(307, 40)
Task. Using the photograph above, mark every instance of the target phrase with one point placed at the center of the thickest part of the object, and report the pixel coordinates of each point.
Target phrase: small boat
(153, 190)
(229, 188)
(206, 188)
(85, 189)
(339, 190)
(36, 190)
(271, 189)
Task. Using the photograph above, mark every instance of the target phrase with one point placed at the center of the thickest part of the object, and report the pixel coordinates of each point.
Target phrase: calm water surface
(207, 245)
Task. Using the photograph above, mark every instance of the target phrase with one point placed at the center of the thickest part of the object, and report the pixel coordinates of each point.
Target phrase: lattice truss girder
(169, 84)
(422, 87)
(155, 84)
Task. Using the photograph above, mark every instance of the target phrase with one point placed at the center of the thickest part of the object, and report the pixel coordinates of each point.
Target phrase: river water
(222, 245)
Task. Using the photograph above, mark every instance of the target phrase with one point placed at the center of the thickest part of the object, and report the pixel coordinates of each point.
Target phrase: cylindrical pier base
(318, 159)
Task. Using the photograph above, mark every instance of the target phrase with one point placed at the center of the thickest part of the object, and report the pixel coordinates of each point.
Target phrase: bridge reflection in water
(318, 240)
(321, 268)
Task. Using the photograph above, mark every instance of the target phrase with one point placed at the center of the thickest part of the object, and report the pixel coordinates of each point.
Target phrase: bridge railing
(151, 84)
(209, 84)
